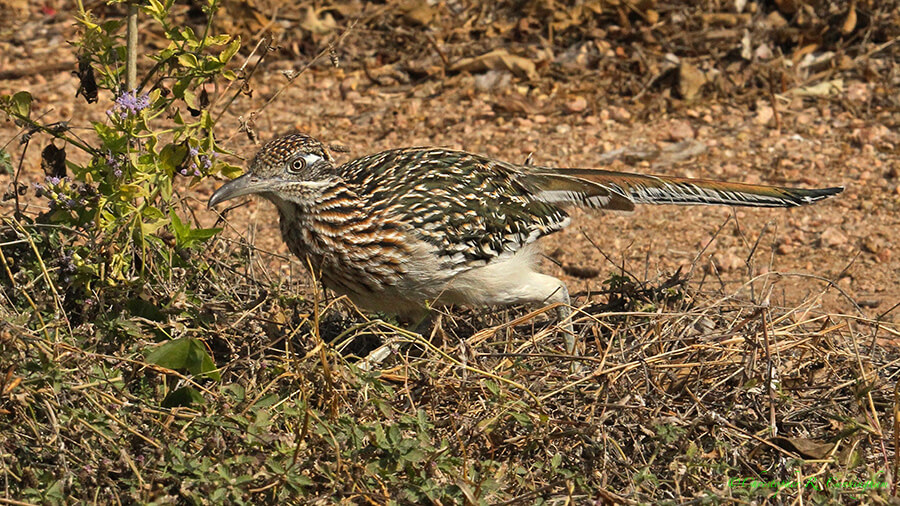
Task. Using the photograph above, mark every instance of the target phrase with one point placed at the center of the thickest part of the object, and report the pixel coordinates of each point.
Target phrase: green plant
(120, 200)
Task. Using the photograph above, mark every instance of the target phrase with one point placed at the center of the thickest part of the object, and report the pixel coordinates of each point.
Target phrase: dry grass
(677, 395)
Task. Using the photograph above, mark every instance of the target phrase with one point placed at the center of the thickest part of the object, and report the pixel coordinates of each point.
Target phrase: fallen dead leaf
(690, 80)
(498, 59)
(823, 89)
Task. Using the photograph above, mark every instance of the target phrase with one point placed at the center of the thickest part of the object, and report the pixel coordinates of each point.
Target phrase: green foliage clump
(110, 217)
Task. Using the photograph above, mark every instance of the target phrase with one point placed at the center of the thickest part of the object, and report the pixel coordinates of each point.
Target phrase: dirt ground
(845, 139)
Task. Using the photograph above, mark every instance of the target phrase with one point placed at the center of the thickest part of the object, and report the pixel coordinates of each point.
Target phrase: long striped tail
(584, 187)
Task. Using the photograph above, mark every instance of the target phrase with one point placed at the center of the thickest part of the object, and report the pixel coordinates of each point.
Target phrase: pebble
(678, 130)
(620, 114)
(832, 237)
(579, 104)
(763, 115)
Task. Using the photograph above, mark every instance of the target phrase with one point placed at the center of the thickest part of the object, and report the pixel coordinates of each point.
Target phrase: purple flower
(207, 163)
(129, 104)
(86, 190)
(193, 152)
(53, 180)
(183, 172)
(142, 102)
(117, 172)
(111, 160)
(197, 173)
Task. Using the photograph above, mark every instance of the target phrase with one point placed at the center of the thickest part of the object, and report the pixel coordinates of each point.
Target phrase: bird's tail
(580, 186)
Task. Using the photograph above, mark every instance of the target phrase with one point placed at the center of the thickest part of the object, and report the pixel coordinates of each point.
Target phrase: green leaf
(165, 188)
(20, 104)
(172, 156)
(218, 40)
(186, 237)
(172, 355)
(188, 60)
(156, 9)
(230, 51)
(230, 171)
(190, 99)
(212, 65)
(181, 85)
(185, 396)
(145, 309)
(150, 227)
(199, 235)
(187, 35)
(180, 230)
(185, 354)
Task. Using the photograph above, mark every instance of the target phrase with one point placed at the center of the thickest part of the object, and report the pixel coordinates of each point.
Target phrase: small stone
(729, 261)
(784, 249)
(620, 114)
(872, 244)
(579, 104)
(678, 130)
(832, 237)
(858, 92)
(690, 81)
(764, 114)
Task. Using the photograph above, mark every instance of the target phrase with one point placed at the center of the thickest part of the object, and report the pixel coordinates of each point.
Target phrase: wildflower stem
(131, 48)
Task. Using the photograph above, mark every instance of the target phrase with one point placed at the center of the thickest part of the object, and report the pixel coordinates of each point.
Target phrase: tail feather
(641, 189)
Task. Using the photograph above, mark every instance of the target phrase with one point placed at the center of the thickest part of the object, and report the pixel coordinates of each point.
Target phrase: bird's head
(289, 168)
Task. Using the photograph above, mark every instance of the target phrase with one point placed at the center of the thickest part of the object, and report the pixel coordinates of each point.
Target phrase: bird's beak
(244, 185)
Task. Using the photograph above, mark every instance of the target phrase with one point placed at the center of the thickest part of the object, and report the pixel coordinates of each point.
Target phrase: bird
(408, 229)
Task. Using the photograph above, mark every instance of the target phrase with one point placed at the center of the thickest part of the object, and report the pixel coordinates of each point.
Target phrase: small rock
(690, 81)
(858, 92)
(784, 249)
(620, 114)
(729, 261)
(764, 114)
(678, 130)
(579, 104)
(832, 237)
(884, 256)
(775, 20)
(872, 244)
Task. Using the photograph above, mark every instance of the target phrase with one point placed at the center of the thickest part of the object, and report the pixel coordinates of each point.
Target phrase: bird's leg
(420, 322)
(564, 315)
(548, 290)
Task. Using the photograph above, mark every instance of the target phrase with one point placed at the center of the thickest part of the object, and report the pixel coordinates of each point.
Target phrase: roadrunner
(403, 229)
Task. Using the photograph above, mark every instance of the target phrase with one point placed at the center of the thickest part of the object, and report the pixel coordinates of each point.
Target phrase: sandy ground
(833, 141)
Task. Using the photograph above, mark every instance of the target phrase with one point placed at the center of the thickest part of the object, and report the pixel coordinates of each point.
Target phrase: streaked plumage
(404, 228)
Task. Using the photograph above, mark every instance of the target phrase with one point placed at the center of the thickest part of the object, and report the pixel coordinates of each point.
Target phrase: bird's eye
(297, 165)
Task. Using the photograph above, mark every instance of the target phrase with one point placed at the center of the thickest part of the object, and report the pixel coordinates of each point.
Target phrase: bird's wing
(471, 208)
